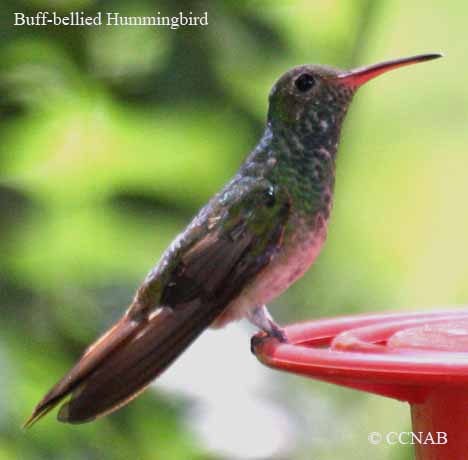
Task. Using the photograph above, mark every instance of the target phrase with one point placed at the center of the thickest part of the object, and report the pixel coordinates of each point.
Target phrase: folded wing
(227, 244)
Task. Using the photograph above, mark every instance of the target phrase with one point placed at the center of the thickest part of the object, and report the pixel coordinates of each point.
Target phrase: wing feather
(227, 244)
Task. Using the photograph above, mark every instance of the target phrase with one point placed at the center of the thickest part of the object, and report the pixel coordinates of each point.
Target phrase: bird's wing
(207, 266)
(238, 237)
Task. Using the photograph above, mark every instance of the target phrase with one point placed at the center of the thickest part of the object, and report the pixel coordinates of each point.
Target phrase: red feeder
(421, 358)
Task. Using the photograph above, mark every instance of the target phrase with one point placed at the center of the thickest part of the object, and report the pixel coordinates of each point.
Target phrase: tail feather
(91, 359)
(122, 363)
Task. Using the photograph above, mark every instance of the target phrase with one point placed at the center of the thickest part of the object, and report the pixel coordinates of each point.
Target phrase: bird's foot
(260, 317)
(278, 333)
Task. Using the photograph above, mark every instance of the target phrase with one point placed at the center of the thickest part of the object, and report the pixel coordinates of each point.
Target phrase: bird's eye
(269, 197)
(304, 82)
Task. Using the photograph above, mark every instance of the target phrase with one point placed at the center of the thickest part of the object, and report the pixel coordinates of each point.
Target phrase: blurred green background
(113, 137)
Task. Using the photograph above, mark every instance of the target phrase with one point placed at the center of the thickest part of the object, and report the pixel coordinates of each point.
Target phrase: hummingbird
(248, 244)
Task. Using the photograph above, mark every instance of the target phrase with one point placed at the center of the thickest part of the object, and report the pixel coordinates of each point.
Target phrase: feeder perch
(420, 358)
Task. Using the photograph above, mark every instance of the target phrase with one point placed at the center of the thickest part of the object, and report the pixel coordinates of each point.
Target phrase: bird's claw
(275, 332)
(278, 333)
(256, 341)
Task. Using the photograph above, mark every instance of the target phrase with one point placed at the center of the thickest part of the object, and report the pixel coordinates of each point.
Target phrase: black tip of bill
(430, 56)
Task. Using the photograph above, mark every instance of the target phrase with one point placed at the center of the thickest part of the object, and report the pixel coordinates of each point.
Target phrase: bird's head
(314, 93)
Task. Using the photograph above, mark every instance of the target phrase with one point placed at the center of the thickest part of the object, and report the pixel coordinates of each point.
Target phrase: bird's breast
(301, 246)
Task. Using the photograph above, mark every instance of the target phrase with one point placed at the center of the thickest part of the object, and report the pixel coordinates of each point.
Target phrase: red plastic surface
(421, 358)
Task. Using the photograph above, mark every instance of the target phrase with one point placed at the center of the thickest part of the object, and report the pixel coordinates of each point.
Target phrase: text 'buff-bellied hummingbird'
(252, 240)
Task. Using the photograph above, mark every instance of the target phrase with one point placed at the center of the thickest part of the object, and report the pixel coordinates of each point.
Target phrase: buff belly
(289, 264)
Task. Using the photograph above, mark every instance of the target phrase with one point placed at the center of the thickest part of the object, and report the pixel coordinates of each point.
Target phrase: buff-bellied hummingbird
(252, 240)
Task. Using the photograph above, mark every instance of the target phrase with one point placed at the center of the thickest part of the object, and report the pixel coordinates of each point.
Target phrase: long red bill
(361, 75)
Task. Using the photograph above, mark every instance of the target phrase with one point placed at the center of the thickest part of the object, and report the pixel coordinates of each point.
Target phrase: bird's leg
(260, 317)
